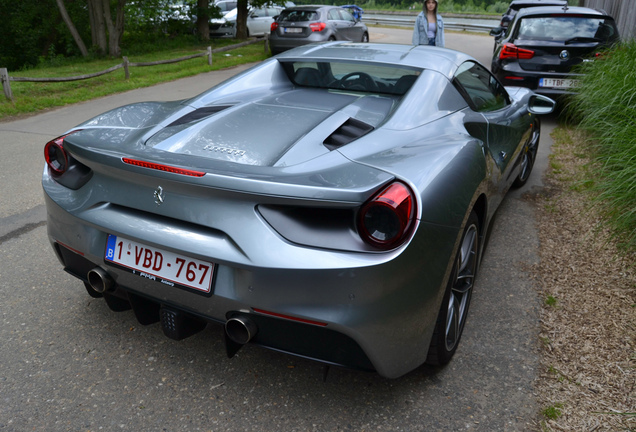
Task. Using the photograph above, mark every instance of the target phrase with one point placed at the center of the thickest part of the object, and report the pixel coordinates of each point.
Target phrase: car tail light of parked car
(317, 27)
(512, 51)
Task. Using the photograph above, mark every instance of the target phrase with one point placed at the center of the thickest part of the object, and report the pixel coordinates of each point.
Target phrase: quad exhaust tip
(240, 329)
(100, 280)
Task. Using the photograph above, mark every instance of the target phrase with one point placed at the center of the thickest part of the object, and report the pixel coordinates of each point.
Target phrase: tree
(105, 33)
(241, 19)
(203, 19)
(69, 23)
(243, 8)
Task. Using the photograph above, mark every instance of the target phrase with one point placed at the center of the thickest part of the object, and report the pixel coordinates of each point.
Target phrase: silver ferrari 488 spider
(330, 202)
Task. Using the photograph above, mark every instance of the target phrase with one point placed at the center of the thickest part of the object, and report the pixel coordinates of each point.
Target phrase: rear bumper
(371, 317)
(512, 75)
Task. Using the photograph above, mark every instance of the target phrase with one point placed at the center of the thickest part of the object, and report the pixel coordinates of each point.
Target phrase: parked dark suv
(516, 5)
(542, 44)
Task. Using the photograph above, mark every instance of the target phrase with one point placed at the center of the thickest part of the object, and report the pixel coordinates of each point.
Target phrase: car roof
(442, 60)
(518, 4)
(546, 10)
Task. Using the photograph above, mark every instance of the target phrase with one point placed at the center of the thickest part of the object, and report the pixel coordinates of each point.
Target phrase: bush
(605, 108)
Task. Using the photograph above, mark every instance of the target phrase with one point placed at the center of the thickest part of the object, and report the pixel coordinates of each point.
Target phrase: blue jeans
(431, 41)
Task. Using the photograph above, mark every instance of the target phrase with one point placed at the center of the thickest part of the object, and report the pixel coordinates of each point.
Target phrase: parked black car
(516, 5)
(542, 44)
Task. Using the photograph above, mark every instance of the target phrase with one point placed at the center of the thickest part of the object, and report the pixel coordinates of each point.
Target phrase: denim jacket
(420, 34)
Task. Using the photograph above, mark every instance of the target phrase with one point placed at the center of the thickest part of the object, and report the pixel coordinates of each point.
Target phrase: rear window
(298, 16)
(352, 76)
(566, 28)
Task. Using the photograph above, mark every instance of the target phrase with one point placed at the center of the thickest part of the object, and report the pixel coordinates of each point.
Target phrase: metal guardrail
(405, 21)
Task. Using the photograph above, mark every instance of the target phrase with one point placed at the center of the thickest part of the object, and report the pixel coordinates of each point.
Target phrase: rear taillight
(386, 220)
(273, 27)
(317, 27)
(55, 155)
(512, 51)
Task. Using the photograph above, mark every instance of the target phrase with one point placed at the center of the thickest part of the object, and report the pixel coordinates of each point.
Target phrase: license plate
(558, 82)
(293, 30)
(160, 265)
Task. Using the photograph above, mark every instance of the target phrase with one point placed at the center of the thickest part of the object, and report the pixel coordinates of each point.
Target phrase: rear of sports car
(272, 233)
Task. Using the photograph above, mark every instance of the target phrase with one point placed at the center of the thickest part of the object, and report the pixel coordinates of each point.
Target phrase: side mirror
(496, 32)
(539, 104)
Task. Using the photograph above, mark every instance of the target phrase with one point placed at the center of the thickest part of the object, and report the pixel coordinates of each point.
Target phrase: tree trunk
(71, 27)
(203, 20)
(98, 26)
(115, 30)
(241, 19)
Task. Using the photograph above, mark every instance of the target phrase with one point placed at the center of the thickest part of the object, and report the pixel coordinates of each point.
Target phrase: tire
(454, 309)
(365, 38)
(529, 155)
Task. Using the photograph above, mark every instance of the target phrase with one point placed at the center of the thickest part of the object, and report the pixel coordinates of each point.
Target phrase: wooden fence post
(210, 56)
(126, 73)
(6, 85)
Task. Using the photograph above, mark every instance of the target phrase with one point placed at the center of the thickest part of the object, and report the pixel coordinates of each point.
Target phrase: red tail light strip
(161, 167)
(277, 315)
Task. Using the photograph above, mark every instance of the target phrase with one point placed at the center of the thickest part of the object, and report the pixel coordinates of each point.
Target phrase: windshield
(298, 15)
(567, 27)
(352, 76)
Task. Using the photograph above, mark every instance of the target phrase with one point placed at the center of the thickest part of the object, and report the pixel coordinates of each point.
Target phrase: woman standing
(429, 26)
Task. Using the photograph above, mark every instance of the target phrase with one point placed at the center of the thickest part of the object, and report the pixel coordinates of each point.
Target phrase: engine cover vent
(350, 130)
(199, 114)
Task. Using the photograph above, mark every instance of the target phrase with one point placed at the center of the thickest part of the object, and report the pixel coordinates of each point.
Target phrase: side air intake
(350, 130)
(199, 114)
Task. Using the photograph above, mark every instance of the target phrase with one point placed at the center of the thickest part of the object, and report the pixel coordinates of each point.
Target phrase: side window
(346, 16)
(481, 90)
(334, 15)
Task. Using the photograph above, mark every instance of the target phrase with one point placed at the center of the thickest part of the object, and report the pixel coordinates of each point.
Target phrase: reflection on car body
(331, 202)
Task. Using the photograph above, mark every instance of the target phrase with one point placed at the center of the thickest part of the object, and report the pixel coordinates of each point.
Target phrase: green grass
(31, 97)
(553, 412)
(605, 108)
(550, 301)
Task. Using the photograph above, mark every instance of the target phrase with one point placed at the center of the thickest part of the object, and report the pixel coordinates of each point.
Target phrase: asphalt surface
(68, 363)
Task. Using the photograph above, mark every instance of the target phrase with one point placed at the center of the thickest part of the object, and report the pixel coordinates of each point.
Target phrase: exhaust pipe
(100, 280)
(240, 329)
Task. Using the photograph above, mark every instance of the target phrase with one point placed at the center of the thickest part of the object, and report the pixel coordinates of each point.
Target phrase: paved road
(68, 363)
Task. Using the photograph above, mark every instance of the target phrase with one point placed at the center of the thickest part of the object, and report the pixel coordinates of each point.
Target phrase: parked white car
(259, 22)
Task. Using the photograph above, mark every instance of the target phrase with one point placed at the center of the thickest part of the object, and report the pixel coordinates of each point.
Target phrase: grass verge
(30, 98)
(605, 108)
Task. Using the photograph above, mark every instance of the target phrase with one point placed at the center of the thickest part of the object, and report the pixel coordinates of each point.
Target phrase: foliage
(605, 107)
(171, 17)
(33, 30)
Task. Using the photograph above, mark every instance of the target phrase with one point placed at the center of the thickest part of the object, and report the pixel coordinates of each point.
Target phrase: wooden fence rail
(6, 79)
